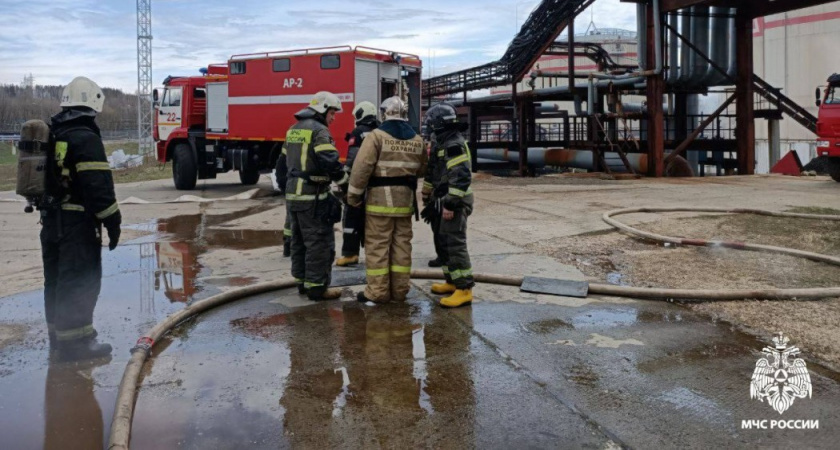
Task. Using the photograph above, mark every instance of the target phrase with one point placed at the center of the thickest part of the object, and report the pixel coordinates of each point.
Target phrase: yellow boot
(461, 297)
(345, 261)
(443, 288)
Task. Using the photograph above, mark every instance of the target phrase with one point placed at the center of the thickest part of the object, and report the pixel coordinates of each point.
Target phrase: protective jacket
(388, 165)
(80, 179)
(356, 137)
(450, 171)
(310, 160)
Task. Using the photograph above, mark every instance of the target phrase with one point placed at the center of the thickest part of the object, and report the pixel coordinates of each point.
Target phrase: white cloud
(56, 40)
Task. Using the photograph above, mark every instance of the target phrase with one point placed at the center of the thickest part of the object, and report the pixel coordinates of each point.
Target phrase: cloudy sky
(56, 40)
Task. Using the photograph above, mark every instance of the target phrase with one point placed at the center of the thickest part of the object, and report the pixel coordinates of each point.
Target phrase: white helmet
(364, 109)
(323, 101)
(83, 92)
(394, 109)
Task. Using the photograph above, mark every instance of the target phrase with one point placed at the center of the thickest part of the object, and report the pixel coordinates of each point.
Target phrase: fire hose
(124, 411)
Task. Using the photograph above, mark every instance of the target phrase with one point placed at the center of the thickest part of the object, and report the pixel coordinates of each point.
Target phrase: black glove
(112, 224)
(427, 212)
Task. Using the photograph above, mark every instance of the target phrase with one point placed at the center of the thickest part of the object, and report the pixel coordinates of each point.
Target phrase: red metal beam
(656, 116)
(684, 145)
(745, 120)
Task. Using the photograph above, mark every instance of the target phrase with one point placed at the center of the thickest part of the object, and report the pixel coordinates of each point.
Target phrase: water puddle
(48, 404)
(599, 318)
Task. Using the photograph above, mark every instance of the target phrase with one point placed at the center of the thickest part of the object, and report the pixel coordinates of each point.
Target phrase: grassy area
(151, 170)
(815, 210)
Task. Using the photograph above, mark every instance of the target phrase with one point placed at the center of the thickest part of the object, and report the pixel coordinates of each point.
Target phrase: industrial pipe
(562, 157)
(638, 77)
(124, 410)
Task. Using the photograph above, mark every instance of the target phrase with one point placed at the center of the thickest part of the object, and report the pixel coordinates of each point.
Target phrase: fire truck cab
(235, 116)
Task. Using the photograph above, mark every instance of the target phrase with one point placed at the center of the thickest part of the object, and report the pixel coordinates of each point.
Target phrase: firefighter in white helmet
(353, 221)
(79, 201)
(385, 173)
(310, 161)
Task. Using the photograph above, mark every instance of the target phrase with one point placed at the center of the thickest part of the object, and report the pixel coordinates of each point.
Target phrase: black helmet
(442, 117)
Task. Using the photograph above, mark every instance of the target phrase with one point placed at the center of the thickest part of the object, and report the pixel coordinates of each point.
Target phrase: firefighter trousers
(313, 247)
(457, 266)
(388, 257)
(71, 250)
(353, 223)
(440, 247)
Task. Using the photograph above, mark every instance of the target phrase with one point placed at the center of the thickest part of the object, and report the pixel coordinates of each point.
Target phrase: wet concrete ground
(513, 370)
(278, 371)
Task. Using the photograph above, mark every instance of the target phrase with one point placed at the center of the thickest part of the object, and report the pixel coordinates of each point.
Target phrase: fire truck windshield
(832, 97)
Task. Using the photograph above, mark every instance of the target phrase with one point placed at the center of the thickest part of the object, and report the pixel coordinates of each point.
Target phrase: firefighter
(353, 221)
(310, 161)
(79, 199)
(387, 167)
(452, 199)
(432, 180)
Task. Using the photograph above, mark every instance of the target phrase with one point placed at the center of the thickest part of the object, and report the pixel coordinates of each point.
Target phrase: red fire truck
(828, 125)
(235, 116)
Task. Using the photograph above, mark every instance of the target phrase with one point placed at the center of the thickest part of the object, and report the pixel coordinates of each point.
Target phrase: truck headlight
(821, 144)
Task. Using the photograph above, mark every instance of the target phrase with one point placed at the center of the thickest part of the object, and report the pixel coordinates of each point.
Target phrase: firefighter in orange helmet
(387, 167)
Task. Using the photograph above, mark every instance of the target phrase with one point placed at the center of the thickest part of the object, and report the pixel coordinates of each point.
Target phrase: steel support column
(745, 119)
(655, 91)
(570, 61)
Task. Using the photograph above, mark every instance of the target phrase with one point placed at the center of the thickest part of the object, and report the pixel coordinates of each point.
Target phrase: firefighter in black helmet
(79, 200)
(310, 160)
(448, 187)
(353, 222)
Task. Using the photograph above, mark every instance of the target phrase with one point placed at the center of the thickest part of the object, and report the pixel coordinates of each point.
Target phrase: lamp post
(516, 17)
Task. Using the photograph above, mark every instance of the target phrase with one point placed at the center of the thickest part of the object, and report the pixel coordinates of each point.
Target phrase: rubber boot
(287, 247)
(443, 288)
(461, 297)
(301, 289)
(318, 294)
(436, 263)
(53, 340)
(81, 349)
(345, 261)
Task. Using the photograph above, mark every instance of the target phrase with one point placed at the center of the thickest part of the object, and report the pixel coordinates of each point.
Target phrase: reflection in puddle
(186, 238)
(382, 371)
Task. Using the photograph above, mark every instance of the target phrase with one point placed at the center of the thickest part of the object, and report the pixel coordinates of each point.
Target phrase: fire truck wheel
(184, 170)
(249, 177)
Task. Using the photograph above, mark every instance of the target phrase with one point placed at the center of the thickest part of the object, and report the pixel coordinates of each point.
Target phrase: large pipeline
(561, 157)
(124, 410)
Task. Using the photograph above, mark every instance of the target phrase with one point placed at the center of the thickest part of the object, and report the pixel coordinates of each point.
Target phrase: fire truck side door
(169, 113)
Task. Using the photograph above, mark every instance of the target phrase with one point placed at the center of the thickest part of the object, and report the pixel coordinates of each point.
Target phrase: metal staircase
(785, 104)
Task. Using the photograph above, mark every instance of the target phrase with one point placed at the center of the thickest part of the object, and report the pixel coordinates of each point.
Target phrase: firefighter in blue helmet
(79, 201)
(310, 161)
(447, 190)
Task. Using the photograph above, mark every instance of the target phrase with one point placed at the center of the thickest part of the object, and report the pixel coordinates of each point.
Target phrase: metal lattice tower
(144, 77)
